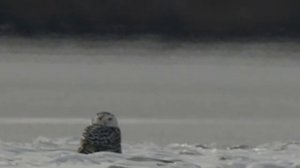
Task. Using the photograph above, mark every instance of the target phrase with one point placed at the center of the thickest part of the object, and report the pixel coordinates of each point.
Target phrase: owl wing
(97, 138)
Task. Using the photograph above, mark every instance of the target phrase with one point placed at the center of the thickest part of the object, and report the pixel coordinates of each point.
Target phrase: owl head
(105, 119)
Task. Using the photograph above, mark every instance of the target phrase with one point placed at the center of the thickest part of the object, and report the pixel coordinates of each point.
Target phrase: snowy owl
(102, 135)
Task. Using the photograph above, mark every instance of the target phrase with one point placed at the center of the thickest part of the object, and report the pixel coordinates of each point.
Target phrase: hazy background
(228, 92)
(173, 71)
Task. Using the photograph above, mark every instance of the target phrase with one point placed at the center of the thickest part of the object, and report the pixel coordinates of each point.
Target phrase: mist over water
(225, 92)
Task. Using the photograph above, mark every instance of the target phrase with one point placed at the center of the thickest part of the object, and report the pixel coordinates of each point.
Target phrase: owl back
(97, 138)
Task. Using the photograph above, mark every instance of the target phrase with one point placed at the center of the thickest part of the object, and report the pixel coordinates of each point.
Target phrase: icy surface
(61, 152)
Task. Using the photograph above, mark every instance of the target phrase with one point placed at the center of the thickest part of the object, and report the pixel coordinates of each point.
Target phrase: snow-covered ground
(46, 153)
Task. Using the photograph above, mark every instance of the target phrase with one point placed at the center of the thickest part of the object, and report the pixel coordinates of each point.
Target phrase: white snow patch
(61, 152)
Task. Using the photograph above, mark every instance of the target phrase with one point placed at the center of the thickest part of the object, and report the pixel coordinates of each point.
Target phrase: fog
(219, 91)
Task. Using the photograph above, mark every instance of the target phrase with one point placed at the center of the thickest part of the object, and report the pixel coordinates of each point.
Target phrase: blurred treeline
(151, 16)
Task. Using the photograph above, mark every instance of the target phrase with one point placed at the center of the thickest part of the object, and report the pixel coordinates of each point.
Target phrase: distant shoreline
(167, 18)
(157, 36)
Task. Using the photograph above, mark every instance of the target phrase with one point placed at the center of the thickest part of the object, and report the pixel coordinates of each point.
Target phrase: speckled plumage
(99, 137)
